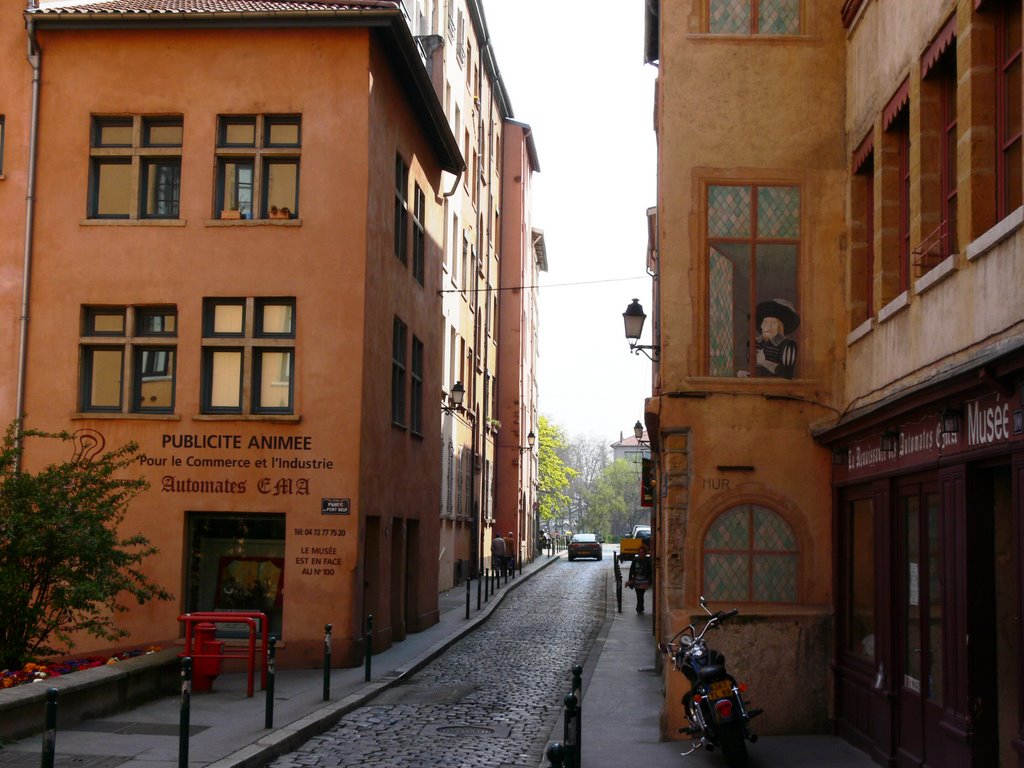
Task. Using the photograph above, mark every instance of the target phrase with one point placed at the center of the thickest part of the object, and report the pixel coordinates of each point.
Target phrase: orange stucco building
(236, 263)
(836, 410)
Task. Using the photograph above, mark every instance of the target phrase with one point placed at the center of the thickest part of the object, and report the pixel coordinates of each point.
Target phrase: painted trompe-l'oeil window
(750, 555)
(753, 302)
(754, 17)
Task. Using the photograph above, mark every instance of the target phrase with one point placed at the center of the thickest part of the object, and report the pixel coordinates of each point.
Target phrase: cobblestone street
(493, 698)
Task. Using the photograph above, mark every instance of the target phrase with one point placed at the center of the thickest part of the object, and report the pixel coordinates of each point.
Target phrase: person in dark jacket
(640, 576)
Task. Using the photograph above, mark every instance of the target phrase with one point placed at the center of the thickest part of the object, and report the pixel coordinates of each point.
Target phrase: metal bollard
(369, 645)
(268, 720)
(327, 662)
(571, 732)
(186, 708)
(487, 585)
(50, 732)
(577, 683)
(467, 597)
(479, 587)
(556, 755)
(618, 580)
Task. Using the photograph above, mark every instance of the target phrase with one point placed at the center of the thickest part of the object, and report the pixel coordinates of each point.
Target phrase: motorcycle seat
(711, 672)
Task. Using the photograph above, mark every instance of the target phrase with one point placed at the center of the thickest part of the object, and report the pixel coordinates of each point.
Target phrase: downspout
(34, 59)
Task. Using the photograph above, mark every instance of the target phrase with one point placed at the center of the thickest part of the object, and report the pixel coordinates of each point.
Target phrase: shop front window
(236, 563)
(859, 574)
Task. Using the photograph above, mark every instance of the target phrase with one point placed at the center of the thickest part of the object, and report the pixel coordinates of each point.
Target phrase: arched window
(750, 556)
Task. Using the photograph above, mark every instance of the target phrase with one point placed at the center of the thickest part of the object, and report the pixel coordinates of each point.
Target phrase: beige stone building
(850, 471)
(485, 209)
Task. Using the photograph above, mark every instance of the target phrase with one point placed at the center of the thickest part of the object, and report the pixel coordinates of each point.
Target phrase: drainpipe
(35, 60)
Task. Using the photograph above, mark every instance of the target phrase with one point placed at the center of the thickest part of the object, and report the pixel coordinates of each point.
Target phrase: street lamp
(458, 394)
(531, 439)
(634, 319)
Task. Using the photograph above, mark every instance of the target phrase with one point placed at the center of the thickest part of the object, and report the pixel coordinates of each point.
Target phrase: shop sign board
(984, 422)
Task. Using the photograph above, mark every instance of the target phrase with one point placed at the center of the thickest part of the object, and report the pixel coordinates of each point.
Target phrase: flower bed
(32, 672)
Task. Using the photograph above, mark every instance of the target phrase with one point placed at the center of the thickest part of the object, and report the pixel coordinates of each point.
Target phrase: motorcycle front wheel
(733, 743)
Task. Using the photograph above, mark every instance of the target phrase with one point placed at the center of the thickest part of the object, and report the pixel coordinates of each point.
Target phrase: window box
(236, 214)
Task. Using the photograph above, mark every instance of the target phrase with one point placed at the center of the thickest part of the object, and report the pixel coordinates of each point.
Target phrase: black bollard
(327, 662)
(369, 645)
(186, 707)
(467, 597)
(577, 683)
(487, 585)
(618, 580)
(50, 732)
(268, 720)
(556, 755)
(570, 732)
(479, 588)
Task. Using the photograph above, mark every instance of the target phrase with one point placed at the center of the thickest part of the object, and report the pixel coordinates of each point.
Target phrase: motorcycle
(715, 708)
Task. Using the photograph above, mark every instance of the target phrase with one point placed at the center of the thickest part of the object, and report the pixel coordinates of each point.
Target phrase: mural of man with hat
(776, 354)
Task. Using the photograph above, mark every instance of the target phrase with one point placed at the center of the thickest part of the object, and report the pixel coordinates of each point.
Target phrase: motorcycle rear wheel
(734, 745)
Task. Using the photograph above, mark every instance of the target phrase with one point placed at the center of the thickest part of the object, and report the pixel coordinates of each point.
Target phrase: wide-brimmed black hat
(781, 309)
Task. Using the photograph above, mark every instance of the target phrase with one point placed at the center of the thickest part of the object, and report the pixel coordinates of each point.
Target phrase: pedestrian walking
(510, 552)
(497, 552)
(640, 576)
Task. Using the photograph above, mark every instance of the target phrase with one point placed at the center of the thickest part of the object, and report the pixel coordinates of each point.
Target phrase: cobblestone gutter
(89, 693)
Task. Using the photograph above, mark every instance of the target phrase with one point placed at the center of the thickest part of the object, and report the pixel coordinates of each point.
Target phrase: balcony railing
(932, 250)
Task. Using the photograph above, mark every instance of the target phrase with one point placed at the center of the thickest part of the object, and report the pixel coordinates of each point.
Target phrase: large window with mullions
(753, 306)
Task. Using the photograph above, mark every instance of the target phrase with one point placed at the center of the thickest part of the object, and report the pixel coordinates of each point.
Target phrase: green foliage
(554, 475)
(615, 497)
(64, 566)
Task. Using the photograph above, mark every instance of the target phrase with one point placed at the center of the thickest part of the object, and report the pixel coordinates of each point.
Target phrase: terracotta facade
(305, 480)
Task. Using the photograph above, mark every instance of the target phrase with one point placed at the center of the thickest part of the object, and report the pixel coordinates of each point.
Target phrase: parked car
(585, 545)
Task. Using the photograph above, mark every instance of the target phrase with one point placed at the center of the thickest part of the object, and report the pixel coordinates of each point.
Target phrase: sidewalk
(621, 700)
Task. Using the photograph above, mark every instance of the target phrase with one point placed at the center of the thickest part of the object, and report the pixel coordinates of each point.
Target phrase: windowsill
(287, 418)
(753, 612)
(254, 222)
(751, 37)
(133, 222)
(860, 331)
(713, 385)
(894, 307)
(935, 275)
(130, 416)
(995, 235)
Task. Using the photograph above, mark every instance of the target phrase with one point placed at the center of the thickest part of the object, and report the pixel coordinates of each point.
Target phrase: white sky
(574, 72)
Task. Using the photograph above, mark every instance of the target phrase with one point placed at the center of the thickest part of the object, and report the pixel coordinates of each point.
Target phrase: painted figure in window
(777, 319)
